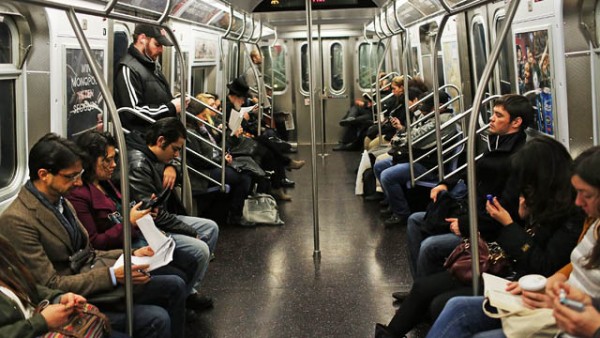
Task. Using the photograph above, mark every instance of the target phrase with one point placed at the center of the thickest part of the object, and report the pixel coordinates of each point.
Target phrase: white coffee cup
(533, 283)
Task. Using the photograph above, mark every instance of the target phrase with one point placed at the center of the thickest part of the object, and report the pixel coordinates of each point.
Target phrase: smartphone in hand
(149, 203)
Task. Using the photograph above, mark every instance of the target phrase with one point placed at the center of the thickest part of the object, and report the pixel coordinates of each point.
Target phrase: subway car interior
(323, 79)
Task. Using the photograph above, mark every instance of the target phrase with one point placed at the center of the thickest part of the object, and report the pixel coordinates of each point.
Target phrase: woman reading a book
(540, 245)
(464, 317)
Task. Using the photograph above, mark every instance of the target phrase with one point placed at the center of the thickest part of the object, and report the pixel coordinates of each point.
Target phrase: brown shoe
(280, 195)
(296, 164)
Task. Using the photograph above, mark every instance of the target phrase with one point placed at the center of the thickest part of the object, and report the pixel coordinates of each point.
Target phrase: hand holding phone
(149, 203)
(572, 304)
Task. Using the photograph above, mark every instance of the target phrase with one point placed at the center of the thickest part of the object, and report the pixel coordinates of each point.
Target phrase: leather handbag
(492, 259)
(459, 261)
(88, 322)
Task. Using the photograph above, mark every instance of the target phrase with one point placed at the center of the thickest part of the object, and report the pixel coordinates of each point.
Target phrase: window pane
(278, 64)
(5, 44)
(502, 66)
(304, 66)
(233, 63)
(479, 44)
(368, 62)
(198, 80)
(268, 63)
(8, 150)
(337, 67)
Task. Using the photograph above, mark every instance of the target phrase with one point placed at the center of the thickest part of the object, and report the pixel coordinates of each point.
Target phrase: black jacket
(139, 84)
(493, 177)
(548, 250)
(145, 179)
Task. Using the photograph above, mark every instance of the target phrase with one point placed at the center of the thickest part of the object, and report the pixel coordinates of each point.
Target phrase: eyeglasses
(73, 177)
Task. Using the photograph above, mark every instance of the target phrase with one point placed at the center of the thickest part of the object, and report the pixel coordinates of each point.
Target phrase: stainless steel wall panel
(579, 93)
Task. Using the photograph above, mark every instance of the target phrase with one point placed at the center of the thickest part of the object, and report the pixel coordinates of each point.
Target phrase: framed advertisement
(533, 68)
(205, 50)
(83, 100)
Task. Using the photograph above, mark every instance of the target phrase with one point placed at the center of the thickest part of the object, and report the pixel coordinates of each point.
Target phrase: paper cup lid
(532, 282)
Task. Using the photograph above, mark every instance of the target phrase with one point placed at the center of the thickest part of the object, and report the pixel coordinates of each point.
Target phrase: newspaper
(162, 245)
(236, 118)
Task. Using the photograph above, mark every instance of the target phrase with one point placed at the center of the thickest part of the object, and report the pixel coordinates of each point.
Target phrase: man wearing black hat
(139, 82)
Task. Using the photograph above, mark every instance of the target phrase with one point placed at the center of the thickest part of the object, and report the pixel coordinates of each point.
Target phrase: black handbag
(245, 147)
(448, 204)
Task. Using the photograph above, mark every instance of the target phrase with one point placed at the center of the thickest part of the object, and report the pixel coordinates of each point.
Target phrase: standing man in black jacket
(139, 82)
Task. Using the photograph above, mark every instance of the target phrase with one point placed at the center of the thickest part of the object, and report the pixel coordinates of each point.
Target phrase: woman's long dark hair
(543, 170)
(15, 275)
(94, 144)
(586, 166)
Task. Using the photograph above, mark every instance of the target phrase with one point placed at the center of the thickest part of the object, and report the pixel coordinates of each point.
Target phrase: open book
(495, 290)
(163, 246)
(236, 118)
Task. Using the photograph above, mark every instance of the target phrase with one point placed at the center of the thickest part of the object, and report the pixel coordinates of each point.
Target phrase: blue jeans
(150, 321)
(191, 256)
(393, 178)
(463, 317)
(207, 230)
(427, 253)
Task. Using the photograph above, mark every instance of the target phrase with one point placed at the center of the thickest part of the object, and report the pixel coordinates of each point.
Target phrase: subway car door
(332, 85)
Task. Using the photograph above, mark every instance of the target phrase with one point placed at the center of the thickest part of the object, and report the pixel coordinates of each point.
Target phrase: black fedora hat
(153, 32)
(238, 87)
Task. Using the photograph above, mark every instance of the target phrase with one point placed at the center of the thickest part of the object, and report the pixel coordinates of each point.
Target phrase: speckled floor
(265, 282)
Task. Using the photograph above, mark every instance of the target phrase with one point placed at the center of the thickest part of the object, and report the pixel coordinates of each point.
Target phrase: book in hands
(495, 290)
(162, 245)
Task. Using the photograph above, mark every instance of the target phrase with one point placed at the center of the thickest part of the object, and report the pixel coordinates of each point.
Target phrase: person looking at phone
(43, 227)
(98, 205)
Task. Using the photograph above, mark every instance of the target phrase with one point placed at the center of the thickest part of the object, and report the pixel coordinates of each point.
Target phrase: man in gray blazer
(44, 229)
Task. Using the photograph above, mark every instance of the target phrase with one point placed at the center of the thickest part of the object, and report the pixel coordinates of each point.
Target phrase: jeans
(170, 293)
(240, 184)
(207, 230)
(149, 321)
(159, 309)
(463, 317)
(191, 256)
(427, 253)
(393, 179)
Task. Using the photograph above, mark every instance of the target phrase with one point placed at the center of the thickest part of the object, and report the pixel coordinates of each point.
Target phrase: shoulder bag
(88, 322)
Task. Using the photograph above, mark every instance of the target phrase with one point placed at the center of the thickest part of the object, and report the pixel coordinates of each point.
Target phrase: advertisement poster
(534, 73)
(205, 50)
(85, 104)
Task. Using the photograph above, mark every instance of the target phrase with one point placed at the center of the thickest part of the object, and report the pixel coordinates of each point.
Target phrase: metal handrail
(206, 124)
(378, 89)
(208, 142)
(203, 175)
(206, 106)
(471, 175)
(112, 110)
(202, 157)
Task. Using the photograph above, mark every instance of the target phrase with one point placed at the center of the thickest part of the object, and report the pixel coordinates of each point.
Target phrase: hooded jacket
(146, 178)
(140, 85)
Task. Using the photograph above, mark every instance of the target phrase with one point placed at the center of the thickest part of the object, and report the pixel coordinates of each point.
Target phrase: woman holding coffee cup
(463, 317)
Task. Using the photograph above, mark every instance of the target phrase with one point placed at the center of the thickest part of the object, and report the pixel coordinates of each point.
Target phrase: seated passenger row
(526, 180)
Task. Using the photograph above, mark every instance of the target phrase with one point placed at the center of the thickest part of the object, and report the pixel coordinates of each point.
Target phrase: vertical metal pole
(225, 77)
(112, 109)
(406, 55)
(378, 87)
(313, 134)
(436, 94)
(322, 94)
(471, 178)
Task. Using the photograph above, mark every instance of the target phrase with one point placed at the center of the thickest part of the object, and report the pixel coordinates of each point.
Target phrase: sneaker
(395, 220)
(198, 303)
